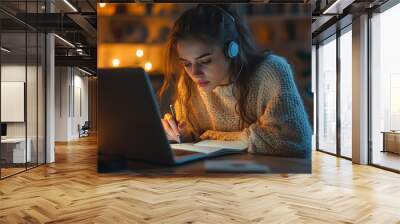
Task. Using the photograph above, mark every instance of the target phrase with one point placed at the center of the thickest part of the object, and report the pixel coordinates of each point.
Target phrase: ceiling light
(5, 50)
(139, 53)
(148, 66)
(86, 72)
(115, 62)
(329, 9)
(70, 5)
(102, 5)
(338, 6)
(65, 41)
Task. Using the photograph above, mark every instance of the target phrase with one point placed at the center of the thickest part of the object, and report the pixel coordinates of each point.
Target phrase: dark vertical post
(338, 98)
(317, 96)
(26, 86)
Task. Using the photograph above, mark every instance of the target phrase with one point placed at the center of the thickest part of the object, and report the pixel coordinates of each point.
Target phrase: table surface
(274, 164)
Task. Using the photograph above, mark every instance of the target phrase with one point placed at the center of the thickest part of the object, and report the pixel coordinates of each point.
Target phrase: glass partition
(14, 153)
(327, 95)
(22, 91)
(31, 100)
(41, 91)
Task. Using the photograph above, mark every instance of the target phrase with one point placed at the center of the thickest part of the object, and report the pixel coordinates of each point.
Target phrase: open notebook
(213, 146)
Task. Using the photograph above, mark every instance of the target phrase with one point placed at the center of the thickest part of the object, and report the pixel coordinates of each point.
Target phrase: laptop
(129, 121)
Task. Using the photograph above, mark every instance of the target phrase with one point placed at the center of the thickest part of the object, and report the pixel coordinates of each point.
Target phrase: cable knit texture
(281, 126)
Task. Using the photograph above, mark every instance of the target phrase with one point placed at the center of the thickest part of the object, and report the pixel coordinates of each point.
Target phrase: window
(327, 95)
(346, 93)
(385, 87)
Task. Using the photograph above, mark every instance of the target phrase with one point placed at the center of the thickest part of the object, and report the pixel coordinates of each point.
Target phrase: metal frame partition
(36, 33)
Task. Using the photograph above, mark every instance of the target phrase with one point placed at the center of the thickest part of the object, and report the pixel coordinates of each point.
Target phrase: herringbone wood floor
(71, 191)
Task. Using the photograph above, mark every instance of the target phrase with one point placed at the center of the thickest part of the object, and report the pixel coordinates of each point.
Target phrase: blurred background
(134, 34)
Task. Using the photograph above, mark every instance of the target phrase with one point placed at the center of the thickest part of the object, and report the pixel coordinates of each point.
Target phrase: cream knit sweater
(281, 126)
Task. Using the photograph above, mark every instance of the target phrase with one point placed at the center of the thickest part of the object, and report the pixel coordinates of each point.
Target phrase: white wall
(13, 73)
(62, 80)
(71, 93)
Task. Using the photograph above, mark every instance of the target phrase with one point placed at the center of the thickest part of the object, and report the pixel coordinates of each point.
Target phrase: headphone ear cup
(232, 49)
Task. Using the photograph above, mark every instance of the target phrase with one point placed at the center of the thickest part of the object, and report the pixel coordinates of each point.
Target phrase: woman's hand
(174, 131)
(224, 136)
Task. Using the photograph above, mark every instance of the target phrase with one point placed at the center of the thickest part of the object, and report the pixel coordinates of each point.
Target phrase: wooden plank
(71, 191)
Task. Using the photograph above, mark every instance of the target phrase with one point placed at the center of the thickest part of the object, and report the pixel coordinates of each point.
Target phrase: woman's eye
(186, 65)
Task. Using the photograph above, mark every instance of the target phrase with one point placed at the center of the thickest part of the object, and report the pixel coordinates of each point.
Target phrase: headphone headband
(224, 11)
(231, 48)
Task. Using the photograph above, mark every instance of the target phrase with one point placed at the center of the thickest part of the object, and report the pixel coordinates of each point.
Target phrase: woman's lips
(202, 83)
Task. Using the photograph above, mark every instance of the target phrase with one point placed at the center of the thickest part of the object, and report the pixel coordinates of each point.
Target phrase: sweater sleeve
(282, 126)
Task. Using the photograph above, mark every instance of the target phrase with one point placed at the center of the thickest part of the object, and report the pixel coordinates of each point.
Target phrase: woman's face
(204, 63)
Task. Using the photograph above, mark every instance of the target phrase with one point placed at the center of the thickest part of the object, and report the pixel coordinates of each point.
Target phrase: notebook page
(195, 148)
(238, 145)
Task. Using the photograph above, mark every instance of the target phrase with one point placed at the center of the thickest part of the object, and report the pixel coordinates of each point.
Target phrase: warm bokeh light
(102, 5)
(115, 62)
(139, 53)
(152, 53)
(148, 66)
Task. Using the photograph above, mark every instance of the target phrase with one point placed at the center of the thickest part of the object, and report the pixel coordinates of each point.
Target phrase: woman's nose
(196, 70)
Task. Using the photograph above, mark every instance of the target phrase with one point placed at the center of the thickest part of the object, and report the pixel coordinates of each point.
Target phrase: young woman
(227, 90)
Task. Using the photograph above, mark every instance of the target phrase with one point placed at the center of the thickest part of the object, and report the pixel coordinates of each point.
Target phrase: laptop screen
(129, 119)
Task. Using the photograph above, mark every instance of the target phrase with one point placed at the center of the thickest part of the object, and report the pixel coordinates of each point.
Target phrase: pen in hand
(176, 122)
